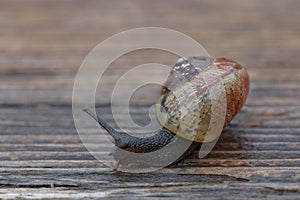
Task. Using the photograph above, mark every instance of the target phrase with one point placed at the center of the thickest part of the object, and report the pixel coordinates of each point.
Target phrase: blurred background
(43, 43)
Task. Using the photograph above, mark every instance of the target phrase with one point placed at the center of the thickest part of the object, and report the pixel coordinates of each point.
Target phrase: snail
(201, 74)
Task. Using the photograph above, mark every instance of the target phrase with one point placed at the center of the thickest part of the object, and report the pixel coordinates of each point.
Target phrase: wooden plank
(42, 44)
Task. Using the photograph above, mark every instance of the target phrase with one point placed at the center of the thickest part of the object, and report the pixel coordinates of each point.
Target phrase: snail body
(188, 85)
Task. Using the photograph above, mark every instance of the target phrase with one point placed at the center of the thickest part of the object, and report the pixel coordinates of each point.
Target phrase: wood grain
(42, 44)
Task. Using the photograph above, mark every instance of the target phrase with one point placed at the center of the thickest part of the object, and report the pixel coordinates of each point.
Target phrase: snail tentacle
(112, 132)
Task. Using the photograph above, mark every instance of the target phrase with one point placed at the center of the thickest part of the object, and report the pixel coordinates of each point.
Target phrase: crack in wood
(283, 190)
(220, 175)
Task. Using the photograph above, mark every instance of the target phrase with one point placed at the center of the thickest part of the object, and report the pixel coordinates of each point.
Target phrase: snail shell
(201, 74)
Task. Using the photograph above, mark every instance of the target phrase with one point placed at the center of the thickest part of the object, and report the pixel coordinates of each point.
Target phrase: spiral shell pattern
(185, 107)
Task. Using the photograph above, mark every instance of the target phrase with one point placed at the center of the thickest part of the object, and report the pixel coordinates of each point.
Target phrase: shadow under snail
(200, 74)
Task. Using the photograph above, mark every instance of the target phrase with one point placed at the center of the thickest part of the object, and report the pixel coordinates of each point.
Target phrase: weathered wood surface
(42, 44)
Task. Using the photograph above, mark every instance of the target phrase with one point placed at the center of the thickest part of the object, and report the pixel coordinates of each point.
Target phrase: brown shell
(190, 85)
